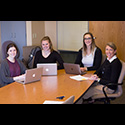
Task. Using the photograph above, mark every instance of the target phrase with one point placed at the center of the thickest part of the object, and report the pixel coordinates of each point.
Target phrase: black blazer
(109, 72)
(97, 59)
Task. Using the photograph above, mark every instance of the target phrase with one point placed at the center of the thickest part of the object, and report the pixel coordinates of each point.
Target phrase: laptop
(49, 69)
(73, 69)
(32, 75)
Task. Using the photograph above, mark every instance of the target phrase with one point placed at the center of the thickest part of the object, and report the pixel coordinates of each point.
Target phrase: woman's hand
(94, 77)
(83, 69)
(19, 78)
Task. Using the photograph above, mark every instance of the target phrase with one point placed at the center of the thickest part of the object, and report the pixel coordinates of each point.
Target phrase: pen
(60, 97)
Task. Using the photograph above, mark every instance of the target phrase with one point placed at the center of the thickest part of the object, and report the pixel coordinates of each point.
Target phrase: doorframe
(29, 33)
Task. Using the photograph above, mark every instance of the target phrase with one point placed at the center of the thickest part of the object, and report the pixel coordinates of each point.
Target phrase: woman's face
(12, 52)
(45, 45)
(88, 40)
(110, 52)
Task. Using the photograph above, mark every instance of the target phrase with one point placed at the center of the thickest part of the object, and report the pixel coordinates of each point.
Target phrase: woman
(109, 72)
(90, 56)
(12, 69)
(47, 54)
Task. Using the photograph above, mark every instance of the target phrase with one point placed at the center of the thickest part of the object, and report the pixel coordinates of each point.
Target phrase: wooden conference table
(48, 88)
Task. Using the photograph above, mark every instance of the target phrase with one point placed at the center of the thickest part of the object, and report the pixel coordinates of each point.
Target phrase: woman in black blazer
(109, 72)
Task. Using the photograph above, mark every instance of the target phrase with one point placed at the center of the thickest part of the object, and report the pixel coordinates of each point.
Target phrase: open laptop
(73, 69)
(49, 69)
(32, 75)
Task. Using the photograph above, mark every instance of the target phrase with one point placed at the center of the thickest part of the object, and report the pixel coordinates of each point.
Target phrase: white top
(89, 59)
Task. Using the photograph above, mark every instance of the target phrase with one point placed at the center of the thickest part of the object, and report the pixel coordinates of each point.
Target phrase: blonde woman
(109, 72)
(89, 56)
(47, 54)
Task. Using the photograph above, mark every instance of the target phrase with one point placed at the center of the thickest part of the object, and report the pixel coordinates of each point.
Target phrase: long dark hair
(11, 45)
(93, 45)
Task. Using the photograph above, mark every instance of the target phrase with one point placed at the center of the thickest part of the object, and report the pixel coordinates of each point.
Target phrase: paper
(53, 102)
(79, 78)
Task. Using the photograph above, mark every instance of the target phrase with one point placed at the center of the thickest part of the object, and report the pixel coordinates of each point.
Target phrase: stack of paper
(53, 102)
(79, 78)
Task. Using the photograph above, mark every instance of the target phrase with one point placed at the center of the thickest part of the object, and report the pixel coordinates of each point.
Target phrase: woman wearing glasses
(89, 56)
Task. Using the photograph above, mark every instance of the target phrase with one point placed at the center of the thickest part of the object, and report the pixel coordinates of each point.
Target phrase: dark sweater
(109, 72)
(96, 62)
(5, 77)
(54, 57)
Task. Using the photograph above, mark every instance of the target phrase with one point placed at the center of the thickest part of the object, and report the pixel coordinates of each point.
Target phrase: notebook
(73, 69)
(49, 69)
(32, 75)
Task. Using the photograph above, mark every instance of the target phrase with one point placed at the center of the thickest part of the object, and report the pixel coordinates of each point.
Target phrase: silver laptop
(48, 68)
(32, 75)
(73, 69)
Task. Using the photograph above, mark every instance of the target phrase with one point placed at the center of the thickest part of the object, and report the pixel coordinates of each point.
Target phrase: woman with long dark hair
(12, 69)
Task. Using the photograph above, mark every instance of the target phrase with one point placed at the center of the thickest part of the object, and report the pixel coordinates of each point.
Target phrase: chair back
(26, 52)
(70, 100)
(121, 77)
(103, 58)
(120, 80)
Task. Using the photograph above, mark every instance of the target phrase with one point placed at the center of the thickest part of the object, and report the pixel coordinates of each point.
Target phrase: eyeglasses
(88, 38)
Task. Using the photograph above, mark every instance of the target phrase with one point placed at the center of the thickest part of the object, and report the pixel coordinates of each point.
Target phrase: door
(14, 31)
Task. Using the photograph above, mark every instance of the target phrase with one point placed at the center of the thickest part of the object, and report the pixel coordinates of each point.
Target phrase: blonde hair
(50, 42)
(112, 45)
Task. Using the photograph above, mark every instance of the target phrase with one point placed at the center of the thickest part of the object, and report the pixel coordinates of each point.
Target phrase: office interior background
(28, 33)
(66, 36)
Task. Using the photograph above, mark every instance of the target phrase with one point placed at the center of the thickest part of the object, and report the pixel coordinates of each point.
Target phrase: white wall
(70, 34)
(51, 31)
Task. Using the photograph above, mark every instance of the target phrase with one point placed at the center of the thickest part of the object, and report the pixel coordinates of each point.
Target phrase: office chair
(4, 46)
(70, 100)
(103, 58)
(107, 97)
(29, 55)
